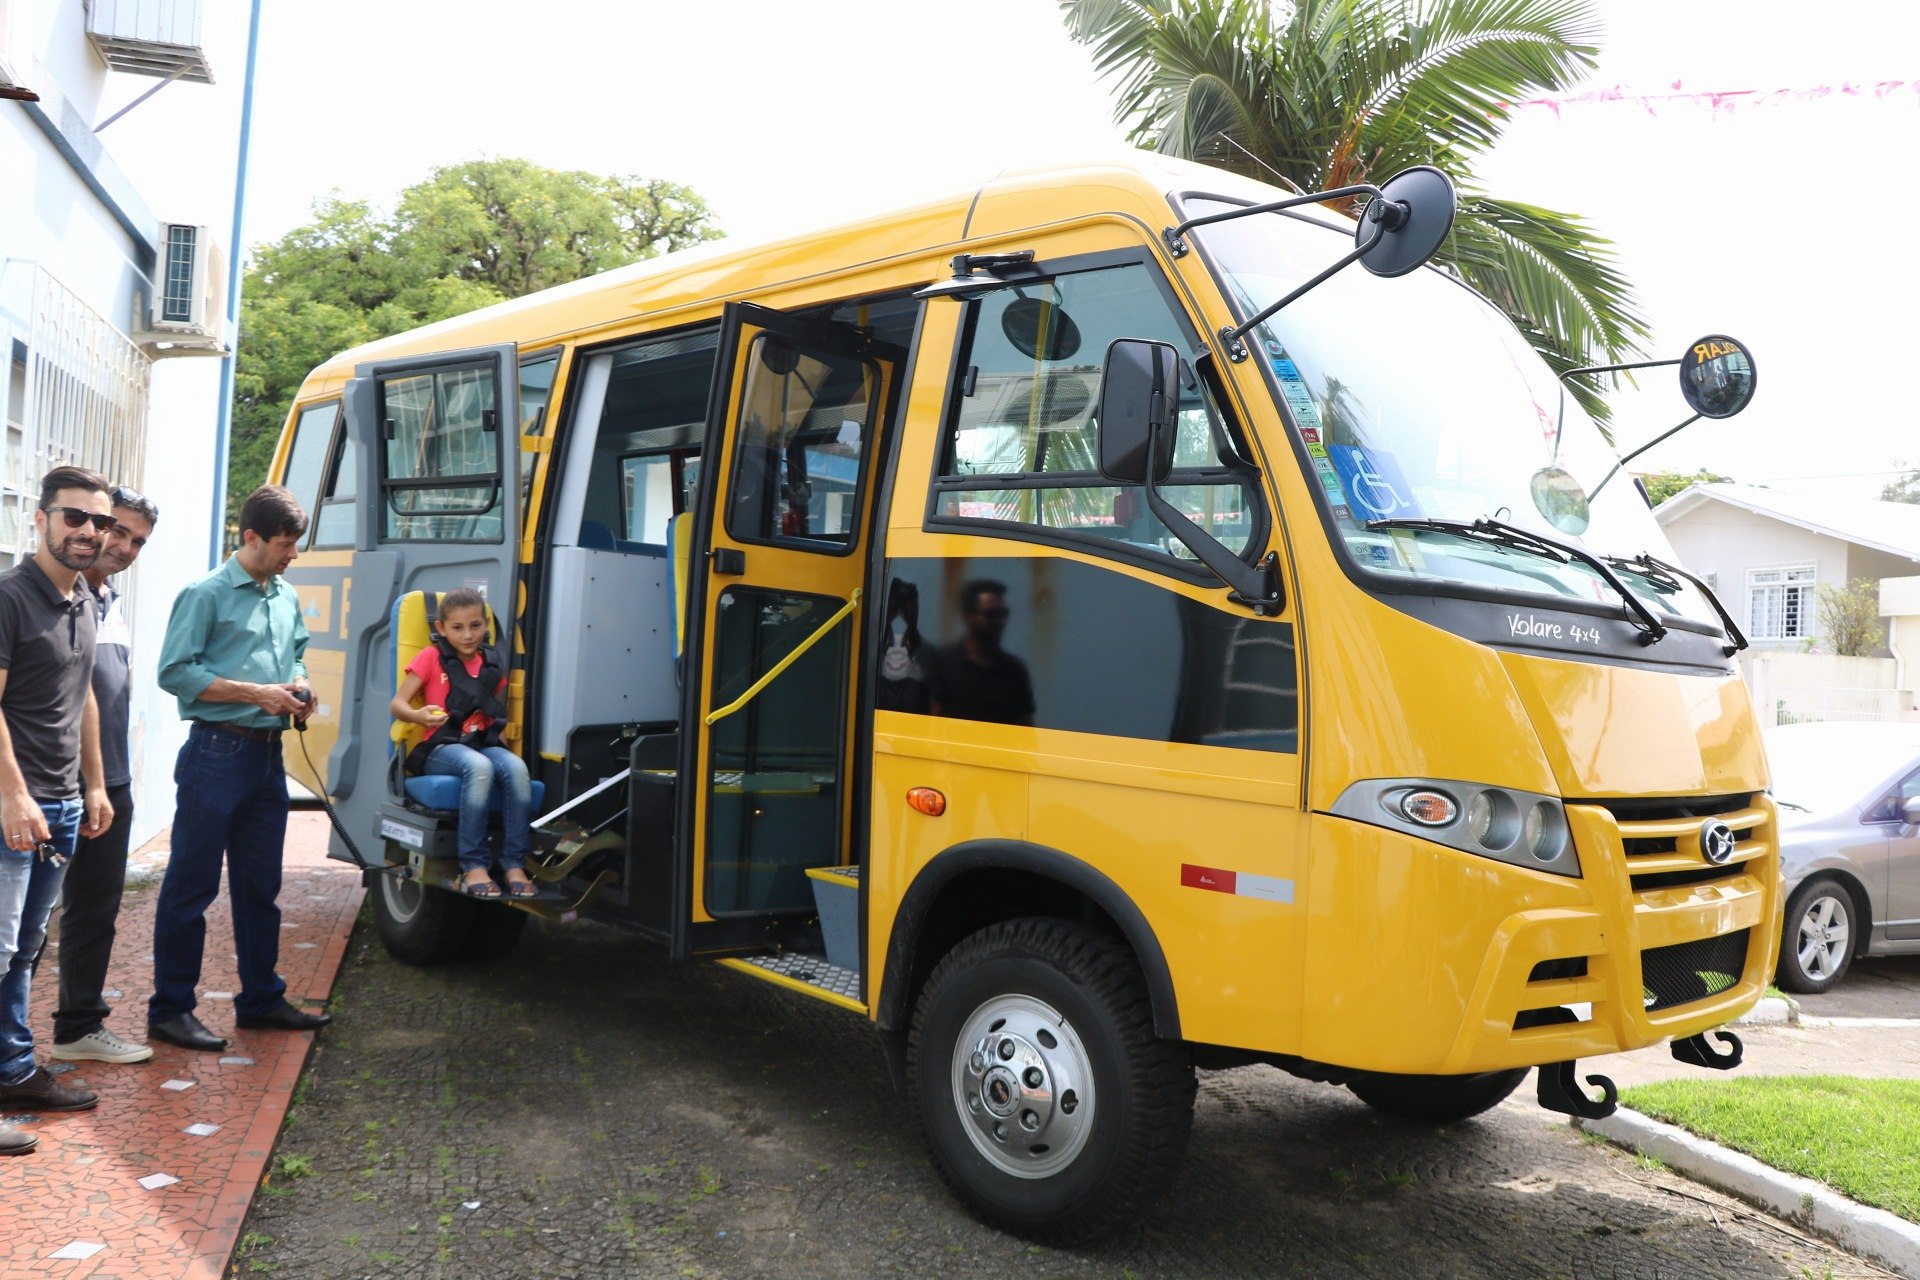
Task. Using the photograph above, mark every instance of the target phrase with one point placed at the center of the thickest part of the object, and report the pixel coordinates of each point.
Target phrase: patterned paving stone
(94, 1179)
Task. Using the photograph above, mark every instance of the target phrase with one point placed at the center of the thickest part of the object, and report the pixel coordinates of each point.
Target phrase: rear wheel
(1436, 1099)
(1818, 937)
(1047, 1101)
(420, 924)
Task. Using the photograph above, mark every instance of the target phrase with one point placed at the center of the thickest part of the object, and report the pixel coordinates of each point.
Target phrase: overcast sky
(1782, 219)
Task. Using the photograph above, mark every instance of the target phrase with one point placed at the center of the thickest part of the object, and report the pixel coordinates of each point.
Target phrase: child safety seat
(411, 626)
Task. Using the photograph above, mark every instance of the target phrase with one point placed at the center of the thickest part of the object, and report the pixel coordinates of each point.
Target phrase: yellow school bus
(1117, 619)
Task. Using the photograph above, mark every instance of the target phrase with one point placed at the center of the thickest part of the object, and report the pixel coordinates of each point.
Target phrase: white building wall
(175, 154)
(1723, 543)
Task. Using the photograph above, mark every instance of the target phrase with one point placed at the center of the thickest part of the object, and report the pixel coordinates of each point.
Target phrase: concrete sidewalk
(1806, 1050)
(155, 1183)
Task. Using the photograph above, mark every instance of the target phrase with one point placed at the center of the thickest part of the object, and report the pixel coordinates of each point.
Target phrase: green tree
(1906, 488)
(468, 236)
(1662, 485)
(1850, 617)
(1325, 93)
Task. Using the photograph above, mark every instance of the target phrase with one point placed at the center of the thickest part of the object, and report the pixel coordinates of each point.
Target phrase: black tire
(1436, 1099)
(495, 930)
(421, 924)
(1060, 1011)
(1817, 937)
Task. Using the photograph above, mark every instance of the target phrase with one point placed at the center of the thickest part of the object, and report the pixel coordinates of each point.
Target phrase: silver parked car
(1849, 796)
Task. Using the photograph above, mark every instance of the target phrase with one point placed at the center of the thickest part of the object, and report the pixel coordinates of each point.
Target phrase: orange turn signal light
(927, 801)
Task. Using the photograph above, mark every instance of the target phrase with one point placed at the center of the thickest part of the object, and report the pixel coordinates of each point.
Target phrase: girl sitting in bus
(461, 681)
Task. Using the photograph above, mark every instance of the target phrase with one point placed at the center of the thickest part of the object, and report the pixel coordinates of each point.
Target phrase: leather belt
(240, 730)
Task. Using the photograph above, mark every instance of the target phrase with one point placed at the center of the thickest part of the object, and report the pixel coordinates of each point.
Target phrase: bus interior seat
(410, 626)
(595, 536)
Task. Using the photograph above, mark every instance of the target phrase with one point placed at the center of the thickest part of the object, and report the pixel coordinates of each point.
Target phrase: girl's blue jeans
(479, 773)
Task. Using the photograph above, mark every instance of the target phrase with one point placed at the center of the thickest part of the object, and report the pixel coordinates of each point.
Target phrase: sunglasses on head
(76, 516)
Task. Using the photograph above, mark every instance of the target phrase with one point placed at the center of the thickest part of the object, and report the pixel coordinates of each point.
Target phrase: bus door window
(536, 389)
(804, 430)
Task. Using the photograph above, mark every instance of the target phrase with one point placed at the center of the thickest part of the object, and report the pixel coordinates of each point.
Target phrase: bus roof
(727, 268)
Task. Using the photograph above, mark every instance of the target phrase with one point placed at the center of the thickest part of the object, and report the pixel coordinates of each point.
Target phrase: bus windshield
(1417, 400)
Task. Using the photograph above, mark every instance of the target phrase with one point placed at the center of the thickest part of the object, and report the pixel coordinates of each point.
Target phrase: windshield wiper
(1486, 529)
(1661, 571)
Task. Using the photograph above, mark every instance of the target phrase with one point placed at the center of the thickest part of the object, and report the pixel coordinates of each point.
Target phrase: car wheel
(1047, 1101)
(1436, 1099)
(1818, 939)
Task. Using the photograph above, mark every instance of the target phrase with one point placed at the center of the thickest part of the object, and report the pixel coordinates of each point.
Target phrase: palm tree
(1324, 93)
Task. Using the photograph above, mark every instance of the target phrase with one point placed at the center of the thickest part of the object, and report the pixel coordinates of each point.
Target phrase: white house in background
(1765, 551)
(109, 268)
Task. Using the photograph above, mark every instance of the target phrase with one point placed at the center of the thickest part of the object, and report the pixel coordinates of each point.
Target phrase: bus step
(804, 971)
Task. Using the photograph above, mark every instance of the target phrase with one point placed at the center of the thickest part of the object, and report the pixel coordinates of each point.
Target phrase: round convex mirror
(1716, 376)
(1559, 497)
(1416, 207)
(1039, 329)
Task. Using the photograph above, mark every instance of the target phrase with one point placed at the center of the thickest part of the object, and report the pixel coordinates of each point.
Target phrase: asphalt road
(585, 1109)
(1877, 987)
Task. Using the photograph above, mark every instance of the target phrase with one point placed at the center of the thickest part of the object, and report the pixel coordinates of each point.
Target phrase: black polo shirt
(46, 649)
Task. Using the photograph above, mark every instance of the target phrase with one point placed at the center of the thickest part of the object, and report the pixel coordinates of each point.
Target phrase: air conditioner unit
(187, 313)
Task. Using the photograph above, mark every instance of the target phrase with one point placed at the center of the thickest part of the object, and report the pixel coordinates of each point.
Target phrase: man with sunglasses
(49, 740)
(90, 897)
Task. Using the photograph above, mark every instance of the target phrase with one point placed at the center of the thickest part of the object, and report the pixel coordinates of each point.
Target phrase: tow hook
(1560, 1091)
(1698, 1051)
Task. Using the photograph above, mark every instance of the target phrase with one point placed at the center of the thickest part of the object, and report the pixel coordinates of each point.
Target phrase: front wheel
(1436, 1099)
(1048, 1103)
(1818, 940)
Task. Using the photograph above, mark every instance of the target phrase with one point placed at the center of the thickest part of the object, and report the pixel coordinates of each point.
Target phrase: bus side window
(333, 527)
(645, 452)
(1021, 447)
(536, 388)
(312, 433)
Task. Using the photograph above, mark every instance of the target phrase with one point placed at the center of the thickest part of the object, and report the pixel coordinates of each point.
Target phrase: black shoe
(16, 1142)
(42, 1091)
(284, 1017)
(186, 1031)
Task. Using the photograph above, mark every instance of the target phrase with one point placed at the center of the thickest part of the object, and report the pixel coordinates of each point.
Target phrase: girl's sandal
(480, 888)
(522, 889)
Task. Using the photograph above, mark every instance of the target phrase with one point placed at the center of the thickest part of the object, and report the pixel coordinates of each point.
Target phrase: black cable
(306, 695)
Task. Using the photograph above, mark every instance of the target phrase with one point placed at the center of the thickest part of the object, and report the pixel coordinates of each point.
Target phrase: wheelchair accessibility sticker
(1374, 485)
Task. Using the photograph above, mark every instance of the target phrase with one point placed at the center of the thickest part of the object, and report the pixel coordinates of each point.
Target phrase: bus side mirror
(1716, 376)
(1138, 395)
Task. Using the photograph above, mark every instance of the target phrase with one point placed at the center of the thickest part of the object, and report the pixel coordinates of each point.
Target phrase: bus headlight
(1517, 827)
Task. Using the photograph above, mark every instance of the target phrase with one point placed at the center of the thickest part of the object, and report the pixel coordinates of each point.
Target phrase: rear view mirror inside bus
(1137, 397)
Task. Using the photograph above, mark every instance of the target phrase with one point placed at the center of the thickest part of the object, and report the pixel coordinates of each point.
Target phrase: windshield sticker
(1409, 548)
(1373, 482)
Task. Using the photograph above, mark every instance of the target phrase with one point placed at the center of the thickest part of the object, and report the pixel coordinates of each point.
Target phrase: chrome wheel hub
(1023, 1086)
(1823, 938)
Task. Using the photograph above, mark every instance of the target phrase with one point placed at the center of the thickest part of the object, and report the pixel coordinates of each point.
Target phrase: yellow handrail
(767, 679)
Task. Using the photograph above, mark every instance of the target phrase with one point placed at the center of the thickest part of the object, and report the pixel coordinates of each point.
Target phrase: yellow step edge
(792, 984)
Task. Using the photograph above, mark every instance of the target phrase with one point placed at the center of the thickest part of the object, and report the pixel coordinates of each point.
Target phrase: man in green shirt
(234, 657)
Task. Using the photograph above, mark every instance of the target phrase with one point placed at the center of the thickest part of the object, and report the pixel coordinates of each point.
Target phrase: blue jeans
(29, 886)
(232, 804)
(479, 772)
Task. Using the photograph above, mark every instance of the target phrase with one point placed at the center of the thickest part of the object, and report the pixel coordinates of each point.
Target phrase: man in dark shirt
(976, 679)
(90, 899)
(48, 723)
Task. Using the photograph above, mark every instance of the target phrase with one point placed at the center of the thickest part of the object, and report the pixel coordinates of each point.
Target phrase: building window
(1780, 602)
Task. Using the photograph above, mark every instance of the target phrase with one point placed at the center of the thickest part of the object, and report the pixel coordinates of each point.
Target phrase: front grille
(1690, 971)
(1634, 814)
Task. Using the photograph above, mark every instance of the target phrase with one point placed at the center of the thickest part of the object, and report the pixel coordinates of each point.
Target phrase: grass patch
(1855, 1135)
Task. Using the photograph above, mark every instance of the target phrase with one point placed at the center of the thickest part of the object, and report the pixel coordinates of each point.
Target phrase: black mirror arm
(1255, 585)
(1231, 334)
(1637, 452)
(1176, 237)
(1615, 368)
